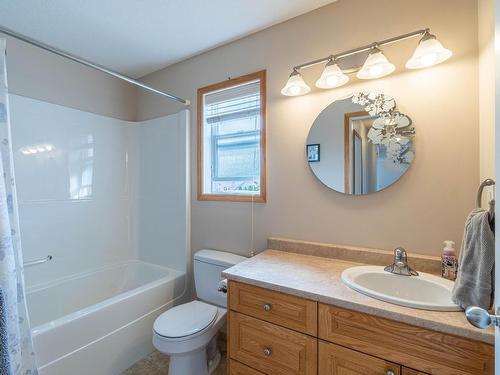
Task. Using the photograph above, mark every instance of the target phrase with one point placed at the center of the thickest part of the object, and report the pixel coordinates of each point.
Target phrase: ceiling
(137, 37)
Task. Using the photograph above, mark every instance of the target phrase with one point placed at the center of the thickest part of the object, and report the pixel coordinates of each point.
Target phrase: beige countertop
(318, 279)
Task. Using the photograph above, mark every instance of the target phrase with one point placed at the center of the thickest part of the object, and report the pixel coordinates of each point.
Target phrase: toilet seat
(189, 319)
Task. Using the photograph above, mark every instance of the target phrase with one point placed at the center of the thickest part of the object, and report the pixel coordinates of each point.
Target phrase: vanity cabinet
(274, 333)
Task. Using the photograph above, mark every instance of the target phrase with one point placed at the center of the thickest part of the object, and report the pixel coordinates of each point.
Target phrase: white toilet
(188, 332)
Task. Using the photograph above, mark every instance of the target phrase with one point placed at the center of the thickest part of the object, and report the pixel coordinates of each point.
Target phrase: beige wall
(39, 74)
(486, 41)
(428, 205)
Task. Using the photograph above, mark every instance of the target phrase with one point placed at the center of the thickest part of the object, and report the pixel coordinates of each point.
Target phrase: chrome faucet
(400, 265)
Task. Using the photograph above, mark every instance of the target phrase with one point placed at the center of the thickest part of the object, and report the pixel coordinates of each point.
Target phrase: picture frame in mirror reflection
(313, 153)
(366, 144)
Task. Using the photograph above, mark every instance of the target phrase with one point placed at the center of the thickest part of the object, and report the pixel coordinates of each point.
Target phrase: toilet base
(194, 363)
(213, 363)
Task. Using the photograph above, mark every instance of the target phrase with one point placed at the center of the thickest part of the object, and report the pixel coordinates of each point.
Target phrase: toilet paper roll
(222, 286)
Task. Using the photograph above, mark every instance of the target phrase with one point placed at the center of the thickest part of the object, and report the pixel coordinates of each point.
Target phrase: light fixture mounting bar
(364, 48)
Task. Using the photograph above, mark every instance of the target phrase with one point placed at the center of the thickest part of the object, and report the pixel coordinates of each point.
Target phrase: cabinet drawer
(419, 348)
(336, 360)
(288, 311)
(236, 368)
(269, 348)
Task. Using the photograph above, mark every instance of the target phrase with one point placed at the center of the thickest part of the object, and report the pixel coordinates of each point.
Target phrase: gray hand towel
(476, 265)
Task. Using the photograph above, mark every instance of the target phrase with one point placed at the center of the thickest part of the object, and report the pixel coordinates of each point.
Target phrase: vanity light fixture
(332, 76)
(429, 52)
(295, 85)
(376, 65)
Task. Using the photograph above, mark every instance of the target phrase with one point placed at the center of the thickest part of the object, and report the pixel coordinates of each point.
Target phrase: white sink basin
(425, 291)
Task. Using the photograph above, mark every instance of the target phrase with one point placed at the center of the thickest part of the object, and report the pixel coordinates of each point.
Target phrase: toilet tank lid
(218, 258)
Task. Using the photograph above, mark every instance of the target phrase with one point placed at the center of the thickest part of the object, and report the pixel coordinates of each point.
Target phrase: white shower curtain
(16, 346)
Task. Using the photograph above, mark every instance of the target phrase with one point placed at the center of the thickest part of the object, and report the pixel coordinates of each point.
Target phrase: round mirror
(360, 144)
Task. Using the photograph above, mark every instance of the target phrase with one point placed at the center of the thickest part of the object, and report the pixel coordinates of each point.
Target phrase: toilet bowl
(188, 332)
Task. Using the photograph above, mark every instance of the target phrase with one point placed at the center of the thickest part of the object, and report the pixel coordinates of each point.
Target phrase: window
(232, 140)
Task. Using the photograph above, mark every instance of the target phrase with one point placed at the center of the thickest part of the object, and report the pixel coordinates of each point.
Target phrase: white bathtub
(100, 322)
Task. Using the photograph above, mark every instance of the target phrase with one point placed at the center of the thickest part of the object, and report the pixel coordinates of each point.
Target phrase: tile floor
(157, 364)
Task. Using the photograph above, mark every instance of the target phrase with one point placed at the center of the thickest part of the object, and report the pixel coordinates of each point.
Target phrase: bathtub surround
(16, 346)
(115, 190)
(158, 157)
(107, 199)
(74, 200)
(431, 200)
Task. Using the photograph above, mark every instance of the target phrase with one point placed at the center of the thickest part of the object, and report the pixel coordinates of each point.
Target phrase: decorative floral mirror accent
(361, 144)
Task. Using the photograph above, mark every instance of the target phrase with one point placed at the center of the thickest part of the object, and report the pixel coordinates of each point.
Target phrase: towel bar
(487, 182)
(34, 262)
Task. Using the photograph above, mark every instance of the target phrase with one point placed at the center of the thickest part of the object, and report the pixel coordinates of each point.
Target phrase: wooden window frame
(262, 197)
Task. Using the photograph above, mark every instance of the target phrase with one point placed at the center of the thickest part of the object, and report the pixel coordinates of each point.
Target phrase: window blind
(233, 103)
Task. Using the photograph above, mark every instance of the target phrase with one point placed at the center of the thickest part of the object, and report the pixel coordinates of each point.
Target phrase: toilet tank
(208, 265)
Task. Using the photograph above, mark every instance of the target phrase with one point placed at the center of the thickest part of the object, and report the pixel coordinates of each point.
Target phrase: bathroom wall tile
(158, 162)
(95, 190)
(86, 157)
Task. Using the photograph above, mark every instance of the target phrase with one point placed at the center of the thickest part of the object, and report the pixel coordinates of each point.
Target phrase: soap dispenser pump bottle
(449, 262)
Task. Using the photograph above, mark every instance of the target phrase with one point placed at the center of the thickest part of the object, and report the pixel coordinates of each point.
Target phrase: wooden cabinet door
(409, 371)
(337, 360)
(271, 349)
(416, 347)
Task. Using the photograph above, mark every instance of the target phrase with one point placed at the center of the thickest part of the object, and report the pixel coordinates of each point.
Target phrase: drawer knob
(267, 307)
(390, 372)
(268, 352)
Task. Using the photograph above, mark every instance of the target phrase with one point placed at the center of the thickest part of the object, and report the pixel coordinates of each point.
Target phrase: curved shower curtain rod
(79, 60)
